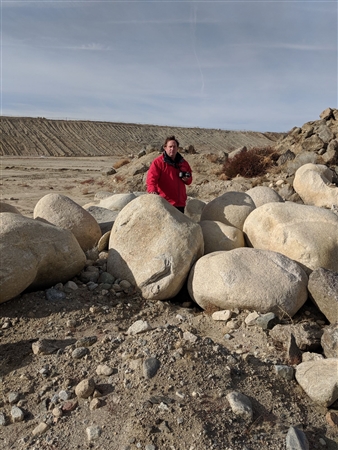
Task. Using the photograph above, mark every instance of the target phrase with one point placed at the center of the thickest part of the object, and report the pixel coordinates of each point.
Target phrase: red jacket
(163, 178)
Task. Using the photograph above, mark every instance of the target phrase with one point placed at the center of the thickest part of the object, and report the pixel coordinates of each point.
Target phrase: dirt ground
(184, 406)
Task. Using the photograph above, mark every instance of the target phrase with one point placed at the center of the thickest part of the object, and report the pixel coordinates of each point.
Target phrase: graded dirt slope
(25, 136)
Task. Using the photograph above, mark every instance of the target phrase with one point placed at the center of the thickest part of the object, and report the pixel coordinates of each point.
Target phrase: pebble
(2, 419)
(224, 315)
(53, 295)
(64, 395)
(86, 341)
(85, 388)
(150, 367)
(17, 414)
(96, 403)
(240, 405)
(40, 429)
(190, 337)
(296, 439)
(137, 327)
(93, 432)
(80, 352)
(286, 372)
(13, 397)
(103, 369)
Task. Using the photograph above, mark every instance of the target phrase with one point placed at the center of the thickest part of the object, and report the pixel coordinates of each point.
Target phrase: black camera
(184, 174)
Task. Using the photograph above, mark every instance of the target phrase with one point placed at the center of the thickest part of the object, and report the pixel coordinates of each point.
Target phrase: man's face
(171, 149)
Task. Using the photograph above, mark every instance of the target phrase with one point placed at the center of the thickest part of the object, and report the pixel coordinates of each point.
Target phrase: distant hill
(27, 136)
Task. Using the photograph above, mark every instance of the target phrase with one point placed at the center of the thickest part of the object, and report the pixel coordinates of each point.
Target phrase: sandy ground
(23, 180)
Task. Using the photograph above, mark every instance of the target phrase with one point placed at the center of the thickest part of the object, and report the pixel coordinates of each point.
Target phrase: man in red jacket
(169, 174)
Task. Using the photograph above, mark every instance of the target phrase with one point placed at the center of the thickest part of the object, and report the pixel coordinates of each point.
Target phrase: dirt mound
(25, 136)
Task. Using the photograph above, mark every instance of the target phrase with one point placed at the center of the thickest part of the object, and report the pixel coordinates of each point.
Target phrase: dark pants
(180, 208)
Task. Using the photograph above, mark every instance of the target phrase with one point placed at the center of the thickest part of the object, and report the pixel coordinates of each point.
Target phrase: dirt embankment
(26, 136)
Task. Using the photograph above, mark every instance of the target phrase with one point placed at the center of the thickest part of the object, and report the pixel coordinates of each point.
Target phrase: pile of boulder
(242, 250)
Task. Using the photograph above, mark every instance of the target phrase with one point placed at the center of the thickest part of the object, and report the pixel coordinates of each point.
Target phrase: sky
(230, 65)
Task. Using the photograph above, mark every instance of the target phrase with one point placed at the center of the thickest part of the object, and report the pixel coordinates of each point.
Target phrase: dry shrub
(121, 162)
(252, 163)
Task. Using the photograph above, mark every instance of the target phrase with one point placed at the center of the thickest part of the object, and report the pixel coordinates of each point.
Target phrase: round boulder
(153, 246)
(231, 208)
(63, 212)
(247, 278)
(263, 194)
(313, 183)
(35, 254)
(218, 236)
(306, 234)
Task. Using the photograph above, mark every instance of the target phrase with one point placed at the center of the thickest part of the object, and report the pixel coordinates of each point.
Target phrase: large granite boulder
(153, 246)
(263, 194)
(323, 287)
(194, 208)
(116, 202)
(313, 183)
(63, 212)
(218, 236)
(35, 254)
(319, 380)
(246, 278)
(7, 207)
(306, 234)
(231, 208)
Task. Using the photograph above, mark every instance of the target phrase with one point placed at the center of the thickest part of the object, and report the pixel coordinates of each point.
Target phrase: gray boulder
(36, 255)
(247, 278)
(231, 208)
(153, 246)
(59, 210)
(297, 231)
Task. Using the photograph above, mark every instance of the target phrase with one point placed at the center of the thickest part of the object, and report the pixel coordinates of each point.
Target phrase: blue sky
(234, 65)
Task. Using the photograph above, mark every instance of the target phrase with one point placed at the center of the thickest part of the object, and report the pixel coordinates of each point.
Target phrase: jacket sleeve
(153, 177)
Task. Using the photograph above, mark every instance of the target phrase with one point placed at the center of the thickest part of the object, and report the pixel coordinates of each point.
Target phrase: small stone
(69, 406)
(140, 326)
(2, 419)
(286, 372)
(53, 295)
(65, 395)
(250, 319)
(57, 412)
(80, 352)
(332, 419)
(296, 439)
(85, 388)
(96, 403)
(86, 341)
(40, 429)
(13, 397)
(224, 315)
(103, 369)
(17, 414)
(44, 347)
(240, 404)
(71, 286)
(93, 433)
(150, 367)
(189, 337)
